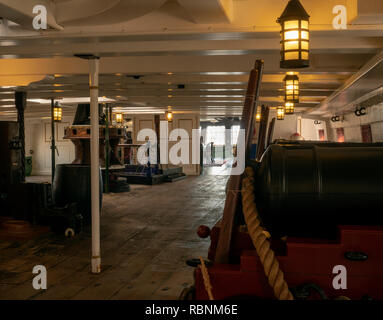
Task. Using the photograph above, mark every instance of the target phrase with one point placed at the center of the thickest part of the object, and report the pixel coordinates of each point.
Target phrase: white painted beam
(101, 13)
(209, 11)
(82, 9)
(179, 64)
(369, 12)
(345, 43)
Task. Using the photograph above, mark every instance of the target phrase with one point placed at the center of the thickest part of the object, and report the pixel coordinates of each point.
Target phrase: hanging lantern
(280, 113)
(57, 113)
(258, 115)
(169, 116)
(294, 23)
(289, 107)
(119, 117)
(291, 88)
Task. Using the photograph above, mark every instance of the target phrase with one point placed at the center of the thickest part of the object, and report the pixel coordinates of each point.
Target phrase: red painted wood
(234, 183)
(304, 261)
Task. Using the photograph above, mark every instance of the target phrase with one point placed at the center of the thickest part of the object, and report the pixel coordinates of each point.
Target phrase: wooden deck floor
(146, 236)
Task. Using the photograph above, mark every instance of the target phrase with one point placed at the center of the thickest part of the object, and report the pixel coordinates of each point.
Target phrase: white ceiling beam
(82, 9)
(101, 12)
(180, 64)
(369, 12)
(40, 48)
(337, 102)
(209, 11)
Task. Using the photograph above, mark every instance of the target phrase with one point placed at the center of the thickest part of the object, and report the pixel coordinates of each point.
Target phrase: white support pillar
(94, 164)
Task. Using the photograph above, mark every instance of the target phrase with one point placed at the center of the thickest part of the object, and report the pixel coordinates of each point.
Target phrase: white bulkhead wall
(186, 121)
(292, 124)
(352, 125)
(38, 144)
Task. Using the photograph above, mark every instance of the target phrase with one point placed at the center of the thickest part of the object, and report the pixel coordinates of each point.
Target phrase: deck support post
(53, 140)
(95, 163)
(21, 105)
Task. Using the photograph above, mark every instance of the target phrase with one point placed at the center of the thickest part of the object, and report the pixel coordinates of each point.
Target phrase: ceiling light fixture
(291, 88)
(280, 113)
(289, 107)
(169, 116)
(57, 113)
(258, 115)
(294, 23)
(119, 117)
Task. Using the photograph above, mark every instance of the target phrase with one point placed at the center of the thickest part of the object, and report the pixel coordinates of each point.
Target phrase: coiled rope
(206, 279)
(262, 245)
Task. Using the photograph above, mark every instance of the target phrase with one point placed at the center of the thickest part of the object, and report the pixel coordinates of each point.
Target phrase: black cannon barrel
(72, 185)
(308, 189)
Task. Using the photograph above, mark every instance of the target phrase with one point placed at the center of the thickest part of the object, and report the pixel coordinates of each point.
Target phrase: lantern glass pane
(291, 55)
(305, 55)
(304, 35)
(305, 45)
(291, 45)
(292, 24)
(304, 24)
(292, 35)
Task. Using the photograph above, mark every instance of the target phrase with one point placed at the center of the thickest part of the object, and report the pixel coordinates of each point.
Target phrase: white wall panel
(38, 136)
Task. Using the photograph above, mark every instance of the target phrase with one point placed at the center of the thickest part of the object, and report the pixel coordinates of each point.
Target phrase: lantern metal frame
(295, 36)
(291, 88)
(289, 107)
(280, 113)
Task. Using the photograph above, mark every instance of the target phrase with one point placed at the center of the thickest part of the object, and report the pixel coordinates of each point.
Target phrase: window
(366, 133)
(234, 134)
(215, 134)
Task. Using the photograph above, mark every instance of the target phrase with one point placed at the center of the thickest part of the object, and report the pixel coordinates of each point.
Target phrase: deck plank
(146, 236)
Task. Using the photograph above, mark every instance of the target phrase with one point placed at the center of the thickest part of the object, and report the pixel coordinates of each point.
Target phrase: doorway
(340, 134)
(321, 135)
(366, 133)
